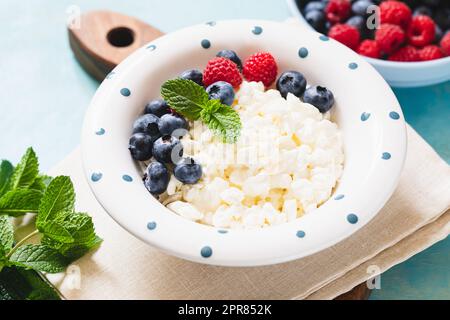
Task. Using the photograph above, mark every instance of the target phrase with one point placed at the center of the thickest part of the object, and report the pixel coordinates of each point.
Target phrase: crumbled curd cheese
(286, 163)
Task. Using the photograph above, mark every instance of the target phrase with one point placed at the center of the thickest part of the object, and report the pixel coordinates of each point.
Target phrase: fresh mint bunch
(65, 235)
(192, 101)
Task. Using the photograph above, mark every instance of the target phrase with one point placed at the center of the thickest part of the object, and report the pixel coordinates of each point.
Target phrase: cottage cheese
(285, 164)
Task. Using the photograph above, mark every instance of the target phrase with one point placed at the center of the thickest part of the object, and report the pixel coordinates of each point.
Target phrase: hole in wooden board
(120, 37)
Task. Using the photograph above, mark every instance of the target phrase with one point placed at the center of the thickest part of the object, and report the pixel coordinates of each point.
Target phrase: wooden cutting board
(100, 40)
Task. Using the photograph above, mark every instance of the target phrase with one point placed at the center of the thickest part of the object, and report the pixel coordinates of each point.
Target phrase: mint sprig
(192, 101)
(65, 235)
(26, 171)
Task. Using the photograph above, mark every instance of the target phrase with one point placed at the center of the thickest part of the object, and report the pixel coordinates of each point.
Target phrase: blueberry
(168, 149)
(314, 5)
(222, 91)
(423, 11)
(316, 19)
(187, 171)
(291, 82)
(359, 8)
(319, 97)
(169, 123)
(231, 55)
(356, 21)
(157, 107)
(156, 178)
(360, 23)
(194, 75)
(148, 124)
(140, 146)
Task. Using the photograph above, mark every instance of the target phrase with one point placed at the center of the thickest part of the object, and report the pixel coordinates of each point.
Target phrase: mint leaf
(222, 120)
(18, 202)
(185, 97)
(26, 171)
(20, 284)
(6, 170)
(56, 231)
(72, 251)
(6, 235)
(39, 257)
(59, 196)
(81, 228)
(41, 183)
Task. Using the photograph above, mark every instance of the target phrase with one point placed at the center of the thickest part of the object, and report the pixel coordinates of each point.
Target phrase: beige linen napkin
(416, 217)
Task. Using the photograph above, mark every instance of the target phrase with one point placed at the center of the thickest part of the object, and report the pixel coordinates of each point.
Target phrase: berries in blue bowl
(404, 26)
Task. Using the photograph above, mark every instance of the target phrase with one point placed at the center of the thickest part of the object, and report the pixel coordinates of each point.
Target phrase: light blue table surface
(44, 94)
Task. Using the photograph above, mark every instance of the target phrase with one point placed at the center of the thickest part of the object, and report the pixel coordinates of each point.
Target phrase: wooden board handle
(102, 39)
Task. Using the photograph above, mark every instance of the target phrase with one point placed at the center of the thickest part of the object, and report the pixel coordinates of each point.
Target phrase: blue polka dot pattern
(324, 38)
(100, 132)
(339, 197)
(222, 231)
(257, 30)
(394, 115)
(151, 225)
(365, 116)
(125, 92)
(352, 218)
(151, 47)
(206, 252)
(353, 65)
(301, 234)
(96, 176)
(127, 178)
(303, 52)
(386, 156)
(206, 44)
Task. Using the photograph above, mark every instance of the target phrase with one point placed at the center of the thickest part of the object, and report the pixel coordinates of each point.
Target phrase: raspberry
(389, 37)
(431, 52)
(345, 34)
(338, 10)
(445, 44)
(395, 12)
(369, 48)
(222, 69)
(405, 54)
(421, 31)
(261, 67)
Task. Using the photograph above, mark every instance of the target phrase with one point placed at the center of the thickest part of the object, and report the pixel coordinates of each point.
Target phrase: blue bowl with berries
(407, 41)
(243, 151)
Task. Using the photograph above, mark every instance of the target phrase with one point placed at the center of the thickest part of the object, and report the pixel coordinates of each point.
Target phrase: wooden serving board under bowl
(100, 40)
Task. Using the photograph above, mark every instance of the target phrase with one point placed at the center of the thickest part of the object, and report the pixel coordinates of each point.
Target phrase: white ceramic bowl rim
(375, 135)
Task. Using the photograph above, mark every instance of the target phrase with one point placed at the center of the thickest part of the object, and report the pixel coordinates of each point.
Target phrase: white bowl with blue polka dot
(398, 74)
(366, 110)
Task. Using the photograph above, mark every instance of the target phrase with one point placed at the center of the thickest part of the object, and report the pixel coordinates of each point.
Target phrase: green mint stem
(21, 242)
